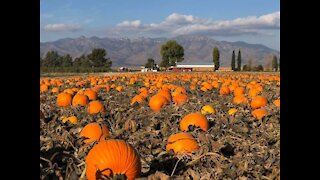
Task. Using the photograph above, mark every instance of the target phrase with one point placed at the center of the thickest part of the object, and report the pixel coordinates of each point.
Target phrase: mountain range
(135, 52)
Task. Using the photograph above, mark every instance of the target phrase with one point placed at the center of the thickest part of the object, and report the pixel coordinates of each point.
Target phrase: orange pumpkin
(238, 91)
(259, 113)
(80, 100)
(195, 119)
(95, 107)
(44, 88)
(240, 99)
(119, 88)
(64, 99)
(180, 99)
(253, 92)
(138, 98)
(55, 90)
(224, 90)
(156, 102)
(94, 132)
(69, 91)
(113, 158)
(258, 101)
(92, 95)
(182, 143)
(276, 102)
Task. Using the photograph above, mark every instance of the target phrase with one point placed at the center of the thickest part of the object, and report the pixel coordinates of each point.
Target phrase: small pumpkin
(71, 119)
(94, 132)
(55, 90)
(259, 113)
(224, 90)
(238, 91)
(95, 107)
(180, 99)
(44, 88)
(80, 100)
(92, 95)
(182, 143)
(138, 98)
(276, 102)
(232, 111)
(195, 119)
(64, 99)
(207, 109)
(258, 101)
(113, 158)
(239, 99)
(156, 102)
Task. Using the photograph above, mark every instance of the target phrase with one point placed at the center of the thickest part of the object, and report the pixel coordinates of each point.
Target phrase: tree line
(172, 52)
(96, 61)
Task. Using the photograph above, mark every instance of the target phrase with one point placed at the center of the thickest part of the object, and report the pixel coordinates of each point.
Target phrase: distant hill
(135, 52)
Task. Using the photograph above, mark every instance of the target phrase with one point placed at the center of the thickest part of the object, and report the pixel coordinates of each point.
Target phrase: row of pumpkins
(117, 158)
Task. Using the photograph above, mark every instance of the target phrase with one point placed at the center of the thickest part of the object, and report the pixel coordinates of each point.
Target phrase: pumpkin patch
(215, 125)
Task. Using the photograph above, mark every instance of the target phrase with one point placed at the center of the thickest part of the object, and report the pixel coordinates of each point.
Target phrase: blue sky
(252, 21)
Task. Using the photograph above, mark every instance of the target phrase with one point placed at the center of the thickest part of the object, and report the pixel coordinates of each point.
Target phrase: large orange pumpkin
(113, 158)
(196, 119)
(94, 132)
(80, 100)
(95, 107)
(64, 99)
(182, 143)
(258, 101)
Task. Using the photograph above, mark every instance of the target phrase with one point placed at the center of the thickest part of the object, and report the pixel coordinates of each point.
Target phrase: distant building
(224, 69)
(193, 66)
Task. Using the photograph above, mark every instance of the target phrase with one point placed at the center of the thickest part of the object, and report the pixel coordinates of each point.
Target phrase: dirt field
(236, 146)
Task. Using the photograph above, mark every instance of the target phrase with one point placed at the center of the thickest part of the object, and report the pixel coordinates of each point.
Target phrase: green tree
(66, 61)
(97, 58)
(239, 61)
(164, 63)
(150, 63)
(171, 53)
(233, 61)
(41, 60)
(51, 59)
(258, 68)
(216, 57)
(275, 63)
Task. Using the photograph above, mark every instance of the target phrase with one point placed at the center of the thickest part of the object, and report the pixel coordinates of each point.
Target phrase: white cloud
(179, 24)
(134, 24)
(62, 27)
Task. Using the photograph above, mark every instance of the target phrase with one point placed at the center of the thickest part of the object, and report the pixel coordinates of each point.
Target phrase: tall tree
(233, 61)
(150, 63)
(171, 53)
(97, 58)
(66, 61)
(239, 61)
(216, 58)
(275, 63)
(51, 59)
